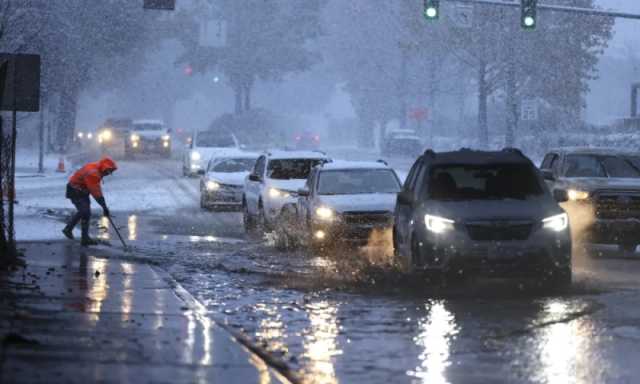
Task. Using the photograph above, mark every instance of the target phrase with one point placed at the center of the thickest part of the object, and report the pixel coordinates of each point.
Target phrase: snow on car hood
(536, 209)
(360, 202)
(228, 178)
(595, 183)
(150, 134)
(292, 185)
(206, 153)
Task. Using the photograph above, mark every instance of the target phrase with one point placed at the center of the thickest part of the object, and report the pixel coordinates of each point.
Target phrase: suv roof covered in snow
(473, 157)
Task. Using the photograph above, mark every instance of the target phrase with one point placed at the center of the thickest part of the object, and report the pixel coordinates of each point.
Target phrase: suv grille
(617, 205)
(499, 231)
(356, 218)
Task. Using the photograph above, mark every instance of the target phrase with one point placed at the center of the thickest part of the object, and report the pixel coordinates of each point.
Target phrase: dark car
(603, 187)
(402, 142)
(470, 212)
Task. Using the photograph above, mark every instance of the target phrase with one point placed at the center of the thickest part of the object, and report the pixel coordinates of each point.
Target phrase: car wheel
(262, 225)
(248, 221)
(561, 278)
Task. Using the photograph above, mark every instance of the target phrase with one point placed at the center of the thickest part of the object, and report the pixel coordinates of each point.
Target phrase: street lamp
(431, 9)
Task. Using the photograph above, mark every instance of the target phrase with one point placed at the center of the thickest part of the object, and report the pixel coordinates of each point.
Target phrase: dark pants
(81, 201)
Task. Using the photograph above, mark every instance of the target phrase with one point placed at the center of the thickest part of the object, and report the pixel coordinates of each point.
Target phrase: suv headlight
(325, 213)
(135, 137)
(166, 137)
(276, 193)
(557, 223)
(106, 135)
(575, 195)
(195, 156)
(437, 224)
(212, 185)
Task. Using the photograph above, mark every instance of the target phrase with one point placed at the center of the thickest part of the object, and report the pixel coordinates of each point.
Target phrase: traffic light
(528, 13)
(431, 9)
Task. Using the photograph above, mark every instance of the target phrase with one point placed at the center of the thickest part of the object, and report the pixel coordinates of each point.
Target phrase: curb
(279, 366)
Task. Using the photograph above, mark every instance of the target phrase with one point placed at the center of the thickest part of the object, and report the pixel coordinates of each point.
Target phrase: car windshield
(209, 139)
(359, 181)
(287, 169)
(233, 165)
(599, 166)
(148, 127)
(483, 182)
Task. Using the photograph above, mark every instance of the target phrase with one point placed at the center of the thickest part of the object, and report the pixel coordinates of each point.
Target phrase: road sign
(21, 90)
(529, 110)
(167, 5)
(462, 15)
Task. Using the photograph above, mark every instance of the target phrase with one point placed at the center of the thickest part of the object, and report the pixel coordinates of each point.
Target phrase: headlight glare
(212, 185)
(557, 223)
(437, 224)
(325, 213)
(166, 137)
(135, 137)
(106, 135)
(575, 194)
(195, 156)
(276, 193)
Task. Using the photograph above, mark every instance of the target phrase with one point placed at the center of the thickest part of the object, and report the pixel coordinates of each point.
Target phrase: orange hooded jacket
(88, 178)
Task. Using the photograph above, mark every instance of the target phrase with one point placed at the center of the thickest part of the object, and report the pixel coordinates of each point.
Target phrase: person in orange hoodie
(83, 183)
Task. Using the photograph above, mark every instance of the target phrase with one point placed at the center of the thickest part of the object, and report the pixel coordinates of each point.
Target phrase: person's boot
(86, 240)
(68, 233)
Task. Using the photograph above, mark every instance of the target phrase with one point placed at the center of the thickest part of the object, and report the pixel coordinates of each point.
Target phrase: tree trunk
(247, 97)
(67, 112)
(483, 94)
(511, 100)
(238, 94)
(403, 88)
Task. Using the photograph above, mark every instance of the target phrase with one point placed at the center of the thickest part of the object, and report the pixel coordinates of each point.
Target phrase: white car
(274, 182)
(402, 142)
(204, 146)
(148, 136)
(342, 202)
(222, 186)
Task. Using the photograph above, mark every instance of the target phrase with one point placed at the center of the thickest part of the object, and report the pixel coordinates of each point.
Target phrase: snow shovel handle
(117, 232)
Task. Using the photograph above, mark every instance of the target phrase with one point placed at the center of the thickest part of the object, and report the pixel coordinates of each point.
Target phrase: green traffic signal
(528, 13)
(431, 9)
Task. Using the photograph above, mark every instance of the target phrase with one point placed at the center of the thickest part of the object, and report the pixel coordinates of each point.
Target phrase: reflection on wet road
(334, 324)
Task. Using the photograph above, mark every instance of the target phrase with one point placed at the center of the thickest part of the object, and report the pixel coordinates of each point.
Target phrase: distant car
(274, 182)
(222, 186)
(604, 192)
(205, 145)
(342, 202)
(307, 140)
(402, 142)
(112, 136)
(465, 213)
(149, 136)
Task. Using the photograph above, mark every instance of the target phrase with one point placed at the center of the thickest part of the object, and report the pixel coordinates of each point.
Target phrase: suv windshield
(350, 182)
(233, 165)
(148, 127)
(291, 168)
(599, 166)
(483, 182)
(209, 139)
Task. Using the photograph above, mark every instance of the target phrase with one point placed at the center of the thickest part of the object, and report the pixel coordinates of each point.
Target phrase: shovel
(117, 232)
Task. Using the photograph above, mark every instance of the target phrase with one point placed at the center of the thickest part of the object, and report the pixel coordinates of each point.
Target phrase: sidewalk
(71, 317)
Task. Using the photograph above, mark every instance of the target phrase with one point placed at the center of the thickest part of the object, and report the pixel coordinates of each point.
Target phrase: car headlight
(135, 137)
(106, 135)
(325, 213)
(166, 137)
(80, 135)
(575, 195)
(276, 193)
(557, 223)
(437, 224)
(195, 156)
(89, 135)
(212, 185)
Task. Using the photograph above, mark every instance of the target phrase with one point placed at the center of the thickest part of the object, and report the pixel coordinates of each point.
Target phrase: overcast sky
(627, 32)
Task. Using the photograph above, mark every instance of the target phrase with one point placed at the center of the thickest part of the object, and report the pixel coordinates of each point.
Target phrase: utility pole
(41, 142)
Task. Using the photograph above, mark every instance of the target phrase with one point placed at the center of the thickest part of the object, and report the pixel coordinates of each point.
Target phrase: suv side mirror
(405, 198)
(254, 177)
(561, 195)
(547, 174)
(303, 192)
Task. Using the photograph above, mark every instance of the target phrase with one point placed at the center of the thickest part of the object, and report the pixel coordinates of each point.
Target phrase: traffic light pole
(556, 8)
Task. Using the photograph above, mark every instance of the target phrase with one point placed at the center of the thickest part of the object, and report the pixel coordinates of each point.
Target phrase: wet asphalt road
(345, 319)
